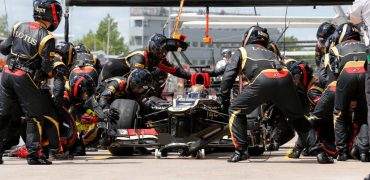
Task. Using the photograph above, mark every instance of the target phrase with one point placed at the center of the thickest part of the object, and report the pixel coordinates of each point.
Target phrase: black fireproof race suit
(116, 87)
(30, 49)
(350, 101)
(269, 81)
(139, 59)
(321, 118)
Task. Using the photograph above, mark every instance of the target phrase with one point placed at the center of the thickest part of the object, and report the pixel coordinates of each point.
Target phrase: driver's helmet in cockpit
(198, 91)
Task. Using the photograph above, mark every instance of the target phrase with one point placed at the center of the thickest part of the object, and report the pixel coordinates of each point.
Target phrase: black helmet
(156, 47)
(330, 42)
(289, 62)
(301, 72)
(48, 10)
(140, 80)
(81, 48)
(81, 87)
(256, 35)
(347, 31)
(324, 31)
(226, 52)
(67, 51)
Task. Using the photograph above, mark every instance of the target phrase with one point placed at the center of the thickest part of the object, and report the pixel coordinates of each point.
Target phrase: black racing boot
(78, 149)
(54, 155)
(305, 152)
(324, 158)
(355, 153)
(239, 155)
(1, 158)
(296, 152)
(36, 160)
(364, 156)
(1, 151)
(343, 155)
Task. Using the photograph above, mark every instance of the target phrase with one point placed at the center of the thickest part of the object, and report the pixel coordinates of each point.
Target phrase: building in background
(144, 22)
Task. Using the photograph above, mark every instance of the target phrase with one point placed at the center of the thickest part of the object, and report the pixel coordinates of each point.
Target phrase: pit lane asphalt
(101, 165)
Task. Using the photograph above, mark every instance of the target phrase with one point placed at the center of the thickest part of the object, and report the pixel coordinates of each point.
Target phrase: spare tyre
(67, 130)
(128, 110)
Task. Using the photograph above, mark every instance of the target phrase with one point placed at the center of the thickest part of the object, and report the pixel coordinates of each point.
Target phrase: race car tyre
(68, 130)
(120, 151)
(127, 112)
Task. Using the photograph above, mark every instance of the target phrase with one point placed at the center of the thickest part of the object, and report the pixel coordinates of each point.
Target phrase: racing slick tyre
(127, 112)
(116, 150)
(68, 130)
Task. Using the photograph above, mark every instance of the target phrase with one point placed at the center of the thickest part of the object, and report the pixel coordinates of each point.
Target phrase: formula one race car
(175, 126)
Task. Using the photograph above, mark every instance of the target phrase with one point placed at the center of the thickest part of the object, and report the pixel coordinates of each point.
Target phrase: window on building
(138, 23)
(202, 62)
(201, 44)
(138, 40)
(146, 23)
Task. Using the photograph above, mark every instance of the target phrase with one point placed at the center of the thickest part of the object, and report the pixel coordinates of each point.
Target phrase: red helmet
(81, 87)
(302, 72)
(48, 10)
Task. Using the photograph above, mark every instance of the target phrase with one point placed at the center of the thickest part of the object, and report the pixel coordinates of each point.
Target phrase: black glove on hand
(112, 115)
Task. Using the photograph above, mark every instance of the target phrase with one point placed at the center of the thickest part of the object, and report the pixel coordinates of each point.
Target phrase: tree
(98, 40)
(292, 43)
(4, 31)
(91, 41)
